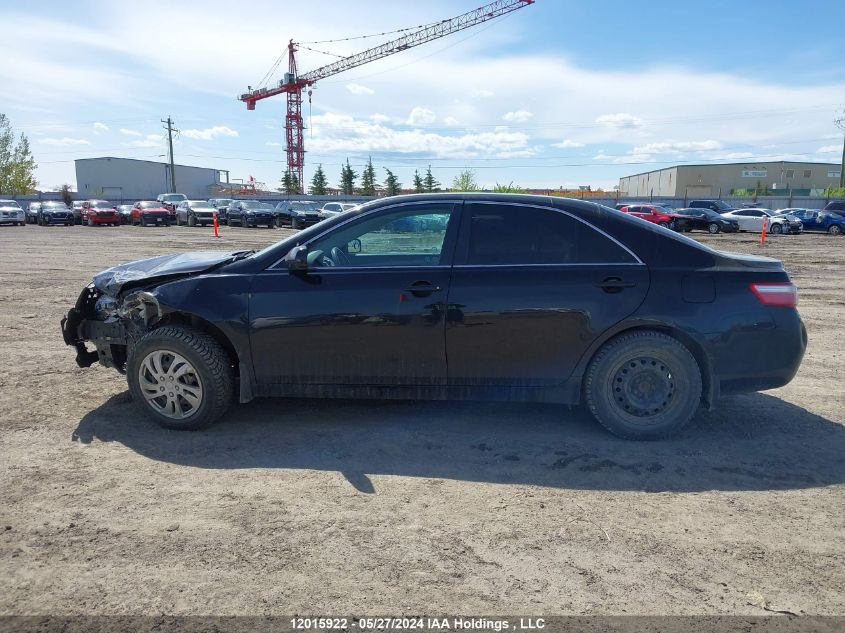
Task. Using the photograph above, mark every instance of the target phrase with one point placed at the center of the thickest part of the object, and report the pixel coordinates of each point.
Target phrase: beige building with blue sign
(705, 181)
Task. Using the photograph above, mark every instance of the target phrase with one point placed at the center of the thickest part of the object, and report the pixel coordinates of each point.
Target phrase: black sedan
(250, 213)
(708, 220)
(489, 296)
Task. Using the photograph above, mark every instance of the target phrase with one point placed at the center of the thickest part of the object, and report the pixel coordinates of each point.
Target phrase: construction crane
(293, 83)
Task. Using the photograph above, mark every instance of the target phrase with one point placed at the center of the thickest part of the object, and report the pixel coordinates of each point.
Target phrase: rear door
(532, 287)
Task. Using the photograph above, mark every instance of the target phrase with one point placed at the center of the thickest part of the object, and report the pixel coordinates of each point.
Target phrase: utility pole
(170, 129)
(840, 123)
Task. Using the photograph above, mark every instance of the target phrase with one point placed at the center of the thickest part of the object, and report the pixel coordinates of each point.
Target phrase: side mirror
(297, 258)
(354, 246)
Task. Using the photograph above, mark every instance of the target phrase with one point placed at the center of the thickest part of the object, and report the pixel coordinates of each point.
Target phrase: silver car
(195, 213)
(11, 213)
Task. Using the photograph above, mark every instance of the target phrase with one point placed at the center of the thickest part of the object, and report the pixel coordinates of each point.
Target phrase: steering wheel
(326, 261)
(339, 257)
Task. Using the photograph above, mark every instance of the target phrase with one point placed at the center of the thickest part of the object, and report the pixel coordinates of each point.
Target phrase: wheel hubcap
(643, 386)
(170, 384)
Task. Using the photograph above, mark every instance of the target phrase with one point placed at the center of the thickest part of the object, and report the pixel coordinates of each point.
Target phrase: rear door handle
(422, 288)
(614, 284)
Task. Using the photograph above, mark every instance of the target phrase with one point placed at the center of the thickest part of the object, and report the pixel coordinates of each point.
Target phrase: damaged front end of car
(111, 324)
(120, 305)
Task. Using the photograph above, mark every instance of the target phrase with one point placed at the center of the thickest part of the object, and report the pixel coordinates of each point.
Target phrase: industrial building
(704, 181)
(130, 179)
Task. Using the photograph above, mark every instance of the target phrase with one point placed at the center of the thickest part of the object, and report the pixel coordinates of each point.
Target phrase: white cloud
(63, 142)
(620, 119)
(151, 140)
(519, 116)
(378, 117)
(482, 93)
(421, 116)
(99, 128)
(829, 149)
(129, 132)
(729, 155)
(358, 89)
(676, 147)
(450, 120)
(345, 134)
(210, 133)
(566, 143)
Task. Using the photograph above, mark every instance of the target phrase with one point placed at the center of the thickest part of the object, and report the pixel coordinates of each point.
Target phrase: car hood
(113, 280)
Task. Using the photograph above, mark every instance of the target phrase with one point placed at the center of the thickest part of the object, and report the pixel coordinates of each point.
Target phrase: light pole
(840, 123)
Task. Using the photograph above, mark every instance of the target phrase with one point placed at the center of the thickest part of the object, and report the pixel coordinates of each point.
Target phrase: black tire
(639, 360)
(192, 221)
(294, 223)
(713, 228)
(834, 229)
(90, 222)
(664, 224)
(212, 365)
(776, 229)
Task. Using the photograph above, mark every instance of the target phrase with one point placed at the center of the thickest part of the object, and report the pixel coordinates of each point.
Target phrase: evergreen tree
(391, 183)
(429, 182)
(319, 182)
(368, 179)
(347, 179)
(418, 182)
(290, 183)
(67, 195)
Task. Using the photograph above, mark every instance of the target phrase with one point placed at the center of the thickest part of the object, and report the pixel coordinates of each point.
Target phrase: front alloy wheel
(181, 377)
(713, 228)
(776, 229)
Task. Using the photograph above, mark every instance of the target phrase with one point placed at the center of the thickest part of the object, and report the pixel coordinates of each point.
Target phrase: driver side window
(411, 235)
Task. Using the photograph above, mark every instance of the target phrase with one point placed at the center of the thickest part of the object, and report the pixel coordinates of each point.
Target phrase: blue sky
(557, 94)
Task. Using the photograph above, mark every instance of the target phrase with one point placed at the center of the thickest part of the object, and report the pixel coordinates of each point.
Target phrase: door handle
(614, 284)
(422, 288)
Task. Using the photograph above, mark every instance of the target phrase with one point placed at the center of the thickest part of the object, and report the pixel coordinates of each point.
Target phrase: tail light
(781, 294)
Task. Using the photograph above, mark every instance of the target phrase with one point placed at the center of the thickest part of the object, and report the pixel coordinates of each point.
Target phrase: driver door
(369, 310)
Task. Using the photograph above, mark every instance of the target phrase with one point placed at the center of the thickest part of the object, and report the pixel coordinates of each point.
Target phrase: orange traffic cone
(765, 228)
(216, 230)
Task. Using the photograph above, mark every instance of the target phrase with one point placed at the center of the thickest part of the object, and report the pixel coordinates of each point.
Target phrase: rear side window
(502, 234)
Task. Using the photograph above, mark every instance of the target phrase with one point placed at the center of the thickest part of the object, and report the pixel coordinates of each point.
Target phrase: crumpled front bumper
(79, 326)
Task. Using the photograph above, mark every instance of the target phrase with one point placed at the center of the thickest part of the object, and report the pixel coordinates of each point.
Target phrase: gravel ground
(298, 506)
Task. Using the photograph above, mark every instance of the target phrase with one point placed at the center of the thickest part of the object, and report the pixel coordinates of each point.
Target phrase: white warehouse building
(131, 179)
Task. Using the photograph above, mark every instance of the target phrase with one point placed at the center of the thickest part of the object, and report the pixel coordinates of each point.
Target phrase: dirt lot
(292, 506)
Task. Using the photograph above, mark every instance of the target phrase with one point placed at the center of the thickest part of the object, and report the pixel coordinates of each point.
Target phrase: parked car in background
(97, 212)
(54, 212)
(835, 205)
(76, 209)
(32, 210)
(170, 201)
(125, 213)
(250, 213)
(708, 220)
(11, 213)
(832, 222)
(534, 298)
(658, 215)
(331, 209)
(719, 206)
(149, 212)
(195, 212)
(297, 214)
(222, 205)
(752, 220)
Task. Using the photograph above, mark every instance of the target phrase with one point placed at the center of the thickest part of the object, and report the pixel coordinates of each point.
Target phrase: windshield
(150, 205)
(174, 197)
(100, 204)
(252, 204)
(304, 206)
(55, 205)
(200, 204)
(9, 203)
(221, 201)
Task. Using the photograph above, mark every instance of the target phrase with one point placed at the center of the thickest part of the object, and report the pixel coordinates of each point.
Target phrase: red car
(658, 215)
(99, 212)
(149, 212)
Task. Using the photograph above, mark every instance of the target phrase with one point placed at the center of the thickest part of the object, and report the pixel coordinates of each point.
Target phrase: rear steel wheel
(835, 229)
(644, 385)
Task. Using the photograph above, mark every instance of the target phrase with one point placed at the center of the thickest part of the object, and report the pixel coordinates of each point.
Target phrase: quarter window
(807, 173)
(510, 234)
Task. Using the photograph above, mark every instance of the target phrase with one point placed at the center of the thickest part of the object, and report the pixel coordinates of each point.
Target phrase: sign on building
(755, 173)
(834, 174)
